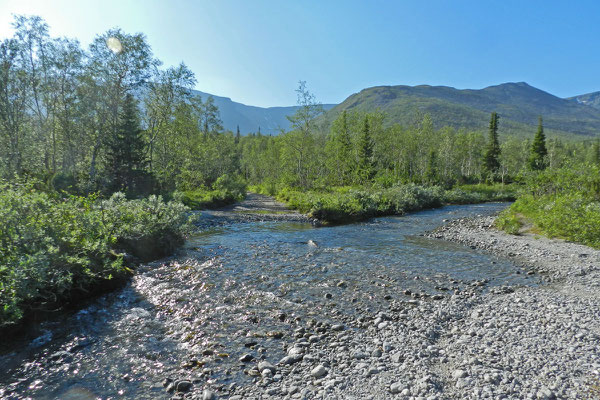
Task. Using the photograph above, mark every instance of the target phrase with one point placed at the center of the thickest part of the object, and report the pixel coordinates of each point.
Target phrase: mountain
(249, 118)
(590, 99)
(518, 105)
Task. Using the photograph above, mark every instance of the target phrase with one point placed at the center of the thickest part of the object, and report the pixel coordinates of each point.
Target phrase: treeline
(359, 150)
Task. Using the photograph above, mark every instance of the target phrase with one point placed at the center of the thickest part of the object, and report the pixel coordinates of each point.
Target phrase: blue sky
(256, 51)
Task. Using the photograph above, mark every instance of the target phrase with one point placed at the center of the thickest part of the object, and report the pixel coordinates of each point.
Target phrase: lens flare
(114, 45)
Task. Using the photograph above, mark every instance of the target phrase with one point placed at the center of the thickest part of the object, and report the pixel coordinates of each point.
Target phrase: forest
(103, 152)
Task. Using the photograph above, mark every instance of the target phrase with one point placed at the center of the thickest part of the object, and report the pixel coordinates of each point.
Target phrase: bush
(508, 222)
(51, 248)
(561, 203)
(226, 190)
(348, 204)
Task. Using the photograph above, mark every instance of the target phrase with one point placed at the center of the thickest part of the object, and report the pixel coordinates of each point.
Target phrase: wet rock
(184, 386)
(61, 356)
(289, 360)
(275, 334)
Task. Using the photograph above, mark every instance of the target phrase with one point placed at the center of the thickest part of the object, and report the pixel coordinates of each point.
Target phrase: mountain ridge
(518, 104)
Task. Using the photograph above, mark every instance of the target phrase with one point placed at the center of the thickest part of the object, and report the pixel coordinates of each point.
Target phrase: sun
(114, 45)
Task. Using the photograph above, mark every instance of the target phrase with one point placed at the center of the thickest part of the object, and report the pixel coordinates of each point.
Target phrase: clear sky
(255, 51)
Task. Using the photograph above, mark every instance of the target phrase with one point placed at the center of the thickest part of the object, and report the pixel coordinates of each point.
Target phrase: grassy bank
(562, 203)
(349, 204)
(53, 249)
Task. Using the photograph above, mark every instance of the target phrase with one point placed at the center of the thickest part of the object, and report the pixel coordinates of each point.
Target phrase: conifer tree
(596, 152)
(491, 156)
(365, 154)
(126, 149)
(237, 135)
(537, 157)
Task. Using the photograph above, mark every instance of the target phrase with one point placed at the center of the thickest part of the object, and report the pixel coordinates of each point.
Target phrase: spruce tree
(365, 153)
(537, 156)
(491, 156)
(126, 149)
(237, 135)
(596, 152)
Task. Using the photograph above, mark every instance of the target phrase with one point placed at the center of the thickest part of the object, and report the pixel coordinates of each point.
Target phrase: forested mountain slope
(518, 105)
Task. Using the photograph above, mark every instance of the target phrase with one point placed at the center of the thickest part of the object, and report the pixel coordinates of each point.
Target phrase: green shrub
(51, 248)
(226, 190)
(563, 203)
(508, 222)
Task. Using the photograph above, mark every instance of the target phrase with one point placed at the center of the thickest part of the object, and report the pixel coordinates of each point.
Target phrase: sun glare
(114, 44)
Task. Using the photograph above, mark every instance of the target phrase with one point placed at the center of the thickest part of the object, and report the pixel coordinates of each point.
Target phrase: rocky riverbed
(311, 324)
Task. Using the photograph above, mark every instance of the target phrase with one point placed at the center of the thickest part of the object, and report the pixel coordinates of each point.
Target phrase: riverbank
(253, 208)
(536, 342)
(545, 338)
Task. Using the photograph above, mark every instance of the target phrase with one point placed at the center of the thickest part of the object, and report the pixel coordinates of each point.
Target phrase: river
(242, 288)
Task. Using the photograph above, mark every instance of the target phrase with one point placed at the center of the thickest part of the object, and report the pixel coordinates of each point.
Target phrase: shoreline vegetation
(341, 205)
(562, 203)
(56, 249)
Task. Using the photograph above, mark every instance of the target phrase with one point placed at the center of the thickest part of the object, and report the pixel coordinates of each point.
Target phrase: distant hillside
(518, 104)
(249, 118)
(590, 99)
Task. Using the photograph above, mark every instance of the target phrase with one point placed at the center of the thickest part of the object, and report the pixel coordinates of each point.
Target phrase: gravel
(537, 342)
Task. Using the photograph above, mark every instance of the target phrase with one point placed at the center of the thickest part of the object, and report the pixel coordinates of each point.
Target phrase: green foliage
(52, 247)
(509, 222)
(491, 156)
(126, 151)
(366, 168)
(537, 156)
(226, 190)
(347, 204)
(562, 203)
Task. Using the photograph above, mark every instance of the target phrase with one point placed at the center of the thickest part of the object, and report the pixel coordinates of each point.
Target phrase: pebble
(208, 395)
(318, 371)
(184, 386)
(265, 365)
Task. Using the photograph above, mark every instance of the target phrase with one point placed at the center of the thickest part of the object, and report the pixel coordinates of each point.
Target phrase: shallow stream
(242, 288)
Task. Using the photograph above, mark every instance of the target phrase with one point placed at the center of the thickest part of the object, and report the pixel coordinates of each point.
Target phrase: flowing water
(240, 287)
